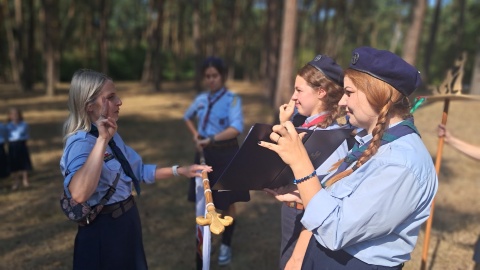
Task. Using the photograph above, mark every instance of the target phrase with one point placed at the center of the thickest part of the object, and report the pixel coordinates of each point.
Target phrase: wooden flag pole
(438, 162)
(212, 218)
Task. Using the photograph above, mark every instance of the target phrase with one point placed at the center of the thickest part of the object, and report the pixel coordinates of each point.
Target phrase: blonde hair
(334, 92)
(85, 87)
(387, 102)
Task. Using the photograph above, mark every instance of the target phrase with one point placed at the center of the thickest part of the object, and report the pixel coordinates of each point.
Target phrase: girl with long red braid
(367, 212)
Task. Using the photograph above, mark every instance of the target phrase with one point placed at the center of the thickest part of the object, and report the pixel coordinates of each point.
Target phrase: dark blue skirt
(109, 243)
(318, 257)
(219, 156)
(4, 163)
(19, 156)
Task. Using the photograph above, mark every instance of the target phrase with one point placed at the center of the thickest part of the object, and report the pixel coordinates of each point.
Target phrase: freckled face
(358, 108)
(112, 104)
(308, 100)
(213, 79)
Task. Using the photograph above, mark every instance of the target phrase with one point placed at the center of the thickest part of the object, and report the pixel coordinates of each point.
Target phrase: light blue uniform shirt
(375, 213)
(226, 112)
(77, 148)
(17, 132)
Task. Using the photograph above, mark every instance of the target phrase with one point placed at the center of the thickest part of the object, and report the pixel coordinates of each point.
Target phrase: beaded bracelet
(298, 181)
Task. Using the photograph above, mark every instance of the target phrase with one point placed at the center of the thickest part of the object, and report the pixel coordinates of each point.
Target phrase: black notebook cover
(254, 167)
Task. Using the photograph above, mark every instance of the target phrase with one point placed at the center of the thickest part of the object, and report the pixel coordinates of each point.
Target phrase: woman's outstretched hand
(194, 170)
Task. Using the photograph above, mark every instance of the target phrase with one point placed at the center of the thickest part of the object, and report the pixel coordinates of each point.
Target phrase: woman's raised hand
(286, 111)
(106, 125)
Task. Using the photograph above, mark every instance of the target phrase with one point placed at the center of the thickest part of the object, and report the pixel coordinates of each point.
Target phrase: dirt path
(35, 235)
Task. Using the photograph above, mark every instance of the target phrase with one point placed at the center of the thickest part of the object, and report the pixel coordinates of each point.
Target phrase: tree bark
(285, 68)
(197, 45)
(103, 35)
(51, 44)
(272, 41)
(412, 39)
(475, 83)
(431, 41)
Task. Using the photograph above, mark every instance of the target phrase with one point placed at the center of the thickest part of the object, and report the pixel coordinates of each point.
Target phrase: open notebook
(255, 168)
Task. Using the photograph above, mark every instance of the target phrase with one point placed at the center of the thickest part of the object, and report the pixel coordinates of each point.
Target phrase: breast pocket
(346, 186)
(110, 170)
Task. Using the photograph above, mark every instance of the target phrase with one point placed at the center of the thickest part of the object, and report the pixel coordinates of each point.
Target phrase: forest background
(153, 49)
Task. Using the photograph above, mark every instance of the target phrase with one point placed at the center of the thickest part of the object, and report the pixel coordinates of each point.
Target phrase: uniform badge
(355, 57)
(107, 157)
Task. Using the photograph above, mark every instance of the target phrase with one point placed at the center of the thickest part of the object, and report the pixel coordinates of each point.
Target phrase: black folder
(254, 167)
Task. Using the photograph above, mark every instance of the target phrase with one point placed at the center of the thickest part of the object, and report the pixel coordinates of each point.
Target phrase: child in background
(18, 153)
(4, 170)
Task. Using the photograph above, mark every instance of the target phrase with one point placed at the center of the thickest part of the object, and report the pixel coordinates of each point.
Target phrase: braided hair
(387, 102)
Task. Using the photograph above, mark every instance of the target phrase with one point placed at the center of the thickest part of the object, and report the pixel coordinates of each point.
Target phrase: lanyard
(404, 128)
(315, 121)
(211, 102)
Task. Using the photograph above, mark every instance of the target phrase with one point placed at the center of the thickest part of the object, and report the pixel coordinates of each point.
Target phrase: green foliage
(126, 64)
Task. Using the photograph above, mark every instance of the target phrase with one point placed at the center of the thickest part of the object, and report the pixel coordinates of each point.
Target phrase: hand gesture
(106, 125)
(287, 143)
(286, 111)
(288, 193)
(202, 143)
(194, 170)
(443, 132)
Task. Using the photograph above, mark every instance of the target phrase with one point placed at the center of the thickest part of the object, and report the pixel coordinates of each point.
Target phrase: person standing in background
(219, 122)
(4, 164)
(18, 152)
(472, 151)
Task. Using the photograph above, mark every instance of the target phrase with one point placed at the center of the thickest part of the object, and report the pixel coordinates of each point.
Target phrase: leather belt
(296, 205)
(119, 208)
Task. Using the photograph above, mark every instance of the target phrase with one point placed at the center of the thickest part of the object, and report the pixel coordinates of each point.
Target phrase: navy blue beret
(388, 67)
(329, 68)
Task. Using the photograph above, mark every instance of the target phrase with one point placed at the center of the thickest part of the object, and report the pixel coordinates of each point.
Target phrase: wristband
(212, 139)
(175, 170)
(298, 181)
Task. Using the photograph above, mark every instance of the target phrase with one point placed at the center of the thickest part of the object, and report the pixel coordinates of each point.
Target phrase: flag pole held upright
(438, 162)
(212, 218)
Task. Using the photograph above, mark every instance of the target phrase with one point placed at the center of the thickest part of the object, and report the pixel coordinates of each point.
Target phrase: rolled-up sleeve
(360, 206)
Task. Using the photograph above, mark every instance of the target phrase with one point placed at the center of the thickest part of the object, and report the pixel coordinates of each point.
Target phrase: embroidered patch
(107, 157)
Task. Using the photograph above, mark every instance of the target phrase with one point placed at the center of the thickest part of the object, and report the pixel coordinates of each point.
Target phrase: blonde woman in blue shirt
(368, 211)
(90, 163)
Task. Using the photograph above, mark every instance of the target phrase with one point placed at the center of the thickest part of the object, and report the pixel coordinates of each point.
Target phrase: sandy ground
(36, 235)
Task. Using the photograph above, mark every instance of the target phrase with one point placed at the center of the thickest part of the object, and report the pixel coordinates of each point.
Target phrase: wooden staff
(438, 162)
(212, 218)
